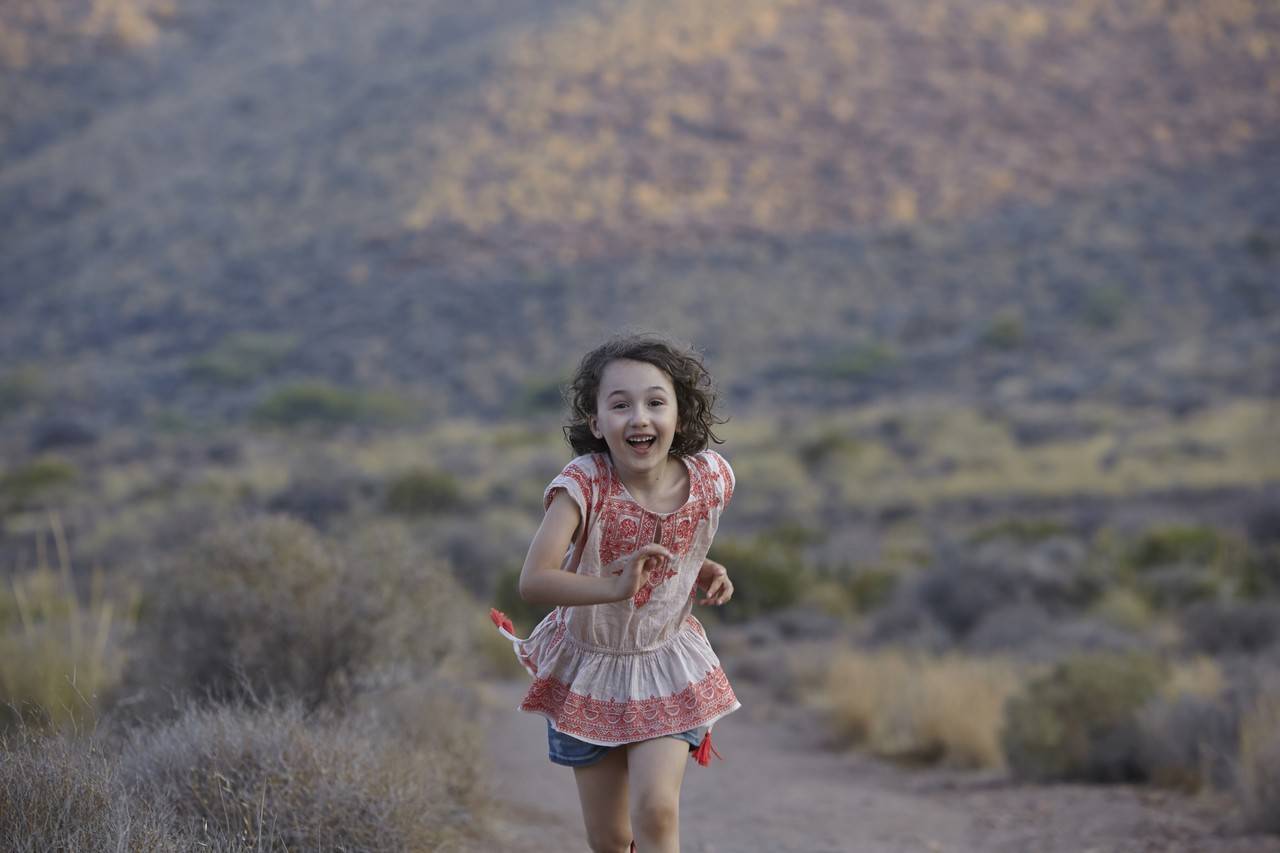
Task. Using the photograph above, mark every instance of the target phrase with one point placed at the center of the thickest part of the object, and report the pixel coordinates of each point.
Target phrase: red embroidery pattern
(624, 722)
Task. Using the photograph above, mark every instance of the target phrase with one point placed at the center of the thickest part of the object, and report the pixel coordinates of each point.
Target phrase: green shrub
(28, 485)
(1178, 544)
(1103, 306)
(1026, 531)
(870, 588)
(242, 358)
(326, 405)
(1079, 721)
(765, 578)
(506, 597)
(816, 451)
(18, 388)
(1005, 332)
(861, 362)
(423, 491)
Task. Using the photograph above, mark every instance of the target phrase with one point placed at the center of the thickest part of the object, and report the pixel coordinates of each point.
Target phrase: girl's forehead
(625, 374)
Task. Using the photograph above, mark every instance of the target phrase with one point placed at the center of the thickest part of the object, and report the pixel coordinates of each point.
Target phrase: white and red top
(640, 668)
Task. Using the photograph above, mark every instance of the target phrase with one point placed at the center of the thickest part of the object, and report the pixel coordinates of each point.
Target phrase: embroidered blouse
(642, 667)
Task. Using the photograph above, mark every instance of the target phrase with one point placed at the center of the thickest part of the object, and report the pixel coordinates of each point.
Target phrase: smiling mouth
(642, 442)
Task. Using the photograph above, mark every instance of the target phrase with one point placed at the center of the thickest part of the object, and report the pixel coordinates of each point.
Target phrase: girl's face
(636, 414)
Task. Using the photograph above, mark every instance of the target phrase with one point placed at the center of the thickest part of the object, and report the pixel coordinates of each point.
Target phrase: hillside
(836, 200)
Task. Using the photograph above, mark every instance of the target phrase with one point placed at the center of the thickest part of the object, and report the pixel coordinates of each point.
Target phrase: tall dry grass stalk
(57, 652)
(1259, 769)
(945, 709)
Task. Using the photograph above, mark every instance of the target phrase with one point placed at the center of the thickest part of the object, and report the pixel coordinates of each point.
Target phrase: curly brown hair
(695, 393)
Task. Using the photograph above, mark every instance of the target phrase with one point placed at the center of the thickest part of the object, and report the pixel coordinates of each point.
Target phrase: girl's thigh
(603, 790)
(655, 770)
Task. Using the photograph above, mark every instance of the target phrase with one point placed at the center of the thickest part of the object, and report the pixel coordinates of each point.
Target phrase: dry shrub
(1259, 778)
(60, 794)
(268, 609)
(279, 779)
(1079, 720)
(1188, 733)
(932, 709)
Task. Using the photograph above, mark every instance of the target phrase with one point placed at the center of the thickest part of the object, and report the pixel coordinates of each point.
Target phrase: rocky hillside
(837, 200)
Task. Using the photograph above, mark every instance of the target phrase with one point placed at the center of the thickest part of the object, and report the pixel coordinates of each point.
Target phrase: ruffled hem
(584, 691)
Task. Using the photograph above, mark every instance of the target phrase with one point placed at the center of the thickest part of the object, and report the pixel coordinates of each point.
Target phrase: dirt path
(779, 791)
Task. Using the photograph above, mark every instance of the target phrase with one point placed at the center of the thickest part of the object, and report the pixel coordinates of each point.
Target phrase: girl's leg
(602, 788)
(656, 770)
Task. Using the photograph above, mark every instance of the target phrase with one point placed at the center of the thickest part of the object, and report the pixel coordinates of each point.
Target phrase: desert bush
(1224, 628)
(58, 650)
(269, 608)
(58, 793)
(1005, 331)
(326, 405)
(1188, 733)
(1188, 741)
(424, 491)
(319, 497)
(41, 479)
(18, 388)
(1260, 762)
(766, 577)
(1022, 530)
(280, 779)
(919, 708)
(506, 597)
(59, 431)
(870, 587)
(1163, 546)
(242, 358)
(1179, 586)
(1124, 608)
(1078, 721)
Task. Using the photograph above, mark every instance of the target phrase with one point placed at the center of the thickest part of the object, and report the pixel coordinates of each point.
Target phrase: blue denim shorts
(569, 751)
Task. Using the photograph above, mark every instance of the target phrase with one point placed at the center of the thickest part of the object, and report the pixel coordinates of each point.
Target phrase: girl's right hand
(633, 570)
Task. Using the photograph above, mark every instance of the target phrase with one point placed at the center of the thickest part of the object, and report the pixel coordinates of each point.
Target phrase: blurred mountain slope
(834, 198)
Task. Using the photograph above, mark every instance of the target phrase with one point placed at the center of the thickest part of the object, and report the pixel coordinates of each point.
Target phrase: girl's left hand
(714, 578)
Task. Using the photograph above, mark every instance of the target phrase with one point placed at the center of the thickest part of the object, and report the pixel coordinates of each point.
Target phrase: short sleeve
(722, 473)
(577, 481)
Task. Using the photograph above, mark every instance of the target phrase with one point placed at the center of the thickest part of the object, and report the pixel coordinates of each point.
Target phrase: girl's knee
(609, 841)
(658, 813)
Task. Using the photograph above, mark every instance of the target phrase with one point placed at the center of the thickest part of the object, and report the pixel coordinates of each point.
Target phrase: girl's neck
(664, 488)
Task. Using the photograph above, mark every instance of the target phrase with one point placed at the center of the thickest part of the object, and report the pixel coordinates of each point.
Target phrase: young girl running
(621, 669)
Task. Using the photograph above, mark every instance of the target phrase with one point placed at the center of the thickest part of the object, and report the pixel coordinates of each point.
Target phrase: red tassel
(500, 619)
(702, 754)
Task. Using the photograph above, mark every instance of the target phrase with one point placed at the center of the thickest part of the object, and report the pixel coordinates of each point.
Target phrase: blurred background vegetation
(289, 290)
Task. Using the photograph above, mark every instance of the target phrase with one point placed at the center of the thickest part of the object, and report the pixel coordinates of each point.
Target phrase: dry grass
(935, 709)
(1259, 768)
(62, 794)
(280, 779)
(58, 653)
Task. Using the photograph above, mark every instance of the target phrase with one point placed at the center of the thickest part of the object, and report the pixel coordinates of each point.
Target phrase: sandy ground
(779, 790)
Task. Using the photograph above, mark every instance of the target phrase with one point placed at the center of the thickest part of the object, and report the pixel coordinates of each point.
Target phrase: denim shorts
(569, 751)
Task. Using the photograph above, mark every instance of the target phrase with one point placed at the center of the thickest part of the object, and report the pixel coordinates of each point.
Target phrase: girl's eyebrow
(650, 388)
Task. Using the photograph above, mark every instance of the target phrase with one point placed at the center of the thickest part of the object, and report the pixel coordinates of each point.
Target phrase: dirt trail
(779, 791)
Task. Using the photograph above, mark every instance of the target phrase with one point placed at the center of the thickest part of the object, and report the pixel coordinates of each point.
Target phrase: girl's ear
(591, 425)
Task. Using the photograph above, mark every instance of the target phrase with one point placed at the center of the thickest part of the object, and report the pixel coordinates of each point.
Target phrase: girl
(622, 670)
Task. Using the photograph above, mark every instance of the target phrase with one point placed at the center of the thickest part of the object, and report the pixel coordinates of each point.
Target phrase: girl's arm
(542, 581)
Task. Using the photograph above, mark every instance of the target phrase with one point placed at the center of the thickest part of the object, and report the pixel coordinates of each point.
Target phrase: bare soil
(780, 789)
